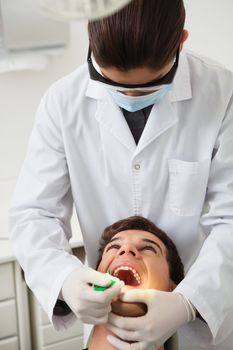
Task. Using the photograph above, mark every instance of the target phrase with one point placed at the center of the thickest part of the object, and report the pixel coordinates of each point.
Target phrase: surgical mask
(136, 103)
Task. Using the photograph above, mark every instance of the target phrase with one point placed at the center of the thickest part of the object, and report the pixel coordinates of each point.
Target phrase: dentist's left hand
(88, 305)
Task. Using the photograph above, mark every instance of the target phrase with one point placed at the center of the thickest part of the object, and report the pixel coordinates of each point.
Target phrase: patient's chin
(125, 309)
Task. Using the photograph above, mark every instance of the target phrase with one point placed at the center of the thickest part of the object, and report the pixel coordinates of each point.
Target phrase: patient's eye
(149, 248)
(113, 246)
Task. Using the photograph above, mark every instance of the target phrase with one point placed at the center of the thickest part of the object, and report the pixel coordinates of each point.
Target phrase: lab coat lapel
(110, 116)
(164, 114)
(162, 117)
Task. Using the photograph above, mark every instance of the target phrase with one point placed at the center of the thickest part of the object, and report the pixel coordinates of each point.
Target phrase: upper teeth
(136, 275)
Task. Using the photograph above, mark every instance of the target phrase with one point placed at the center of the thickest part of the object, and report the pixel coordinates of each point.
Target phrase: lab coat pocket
(187, 186)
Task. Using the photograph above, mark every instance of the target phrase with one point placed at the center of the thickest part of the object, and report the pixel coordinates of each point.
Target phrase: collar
(181, 89)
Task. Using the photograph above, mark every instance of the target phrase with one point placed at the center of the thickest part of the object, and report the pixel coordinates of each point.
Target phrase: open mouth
(127, 274)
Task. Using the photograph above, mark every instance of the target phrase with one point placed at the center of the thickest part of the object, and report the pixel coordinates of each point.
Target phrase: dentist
(143, 128)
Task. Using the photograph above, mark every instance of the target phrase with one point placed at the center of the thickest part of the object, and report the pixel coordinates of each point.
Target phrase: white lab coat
(180, 175)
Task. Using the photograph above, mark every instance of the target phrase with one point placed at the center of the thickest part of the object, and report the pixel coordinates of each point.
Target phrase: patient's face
(139, 259)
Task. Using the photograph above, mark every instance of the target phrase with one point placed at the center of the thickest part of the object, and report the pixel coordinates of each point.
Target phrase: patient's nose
(129, 249)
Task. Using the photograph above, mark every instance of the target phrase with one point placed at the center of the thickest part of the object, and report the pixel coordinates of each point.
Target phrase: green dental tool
(101, 289)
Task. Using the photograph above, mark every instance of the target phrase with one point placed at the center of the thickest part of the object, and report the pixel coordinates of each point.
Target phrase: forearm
(207, 283)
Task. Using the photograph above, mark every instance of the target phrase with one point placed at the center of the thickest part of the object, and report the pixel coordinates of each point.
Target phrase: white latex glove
(88, 305)
(167, 311)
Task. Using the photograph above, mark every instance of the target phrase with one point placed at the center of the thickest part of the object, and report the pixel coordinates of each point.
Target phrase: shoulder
(208, 68)
(71, 87)
(63, 100)
(209, 79)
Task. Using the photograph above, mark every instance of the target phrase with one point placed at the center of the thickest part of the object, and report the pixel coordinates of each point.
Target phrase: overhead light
(82, 9)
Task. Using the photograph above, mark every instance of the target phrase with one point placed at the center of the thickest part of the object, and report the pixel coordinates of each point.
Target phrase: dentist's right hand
(89, 305)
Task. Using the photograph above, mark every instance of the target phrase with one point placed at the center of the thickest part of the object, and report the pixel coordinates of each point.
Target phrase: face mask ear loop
(91, 59)
(97, 68)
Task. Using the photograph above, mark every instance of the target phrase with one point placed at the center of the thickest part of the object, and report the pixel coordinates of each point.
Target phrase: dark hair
(176, 268)
(145, 33)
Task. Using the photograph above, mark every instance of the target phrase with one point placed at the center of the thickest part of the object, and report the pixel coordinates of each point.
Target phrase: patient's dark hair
(176, 268)
(145, 33)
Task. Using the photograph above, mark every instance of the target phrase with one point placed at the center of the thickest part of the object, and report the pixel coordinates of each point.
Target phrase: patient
(143, 256)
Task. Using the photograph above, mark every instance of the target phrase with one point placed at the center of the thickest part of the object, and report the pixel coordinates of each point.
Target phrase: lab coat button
(137, 166)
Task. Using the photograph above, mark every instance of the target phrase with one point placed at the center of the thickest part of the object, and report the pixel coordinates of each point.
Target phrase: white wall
(209, 23)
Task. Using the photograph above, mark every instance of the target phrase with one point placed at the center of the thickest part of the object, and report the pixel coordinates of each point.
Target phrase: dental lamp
(82, 9)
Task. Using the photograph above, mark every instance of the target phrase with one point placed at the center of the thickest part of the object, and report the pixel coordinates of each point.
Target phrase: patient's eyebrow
(152, 242)
(114, 239)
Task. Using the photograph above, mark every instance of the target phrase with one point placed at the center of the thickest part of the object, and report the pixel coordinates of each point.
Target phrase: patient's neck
(99, 339)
